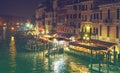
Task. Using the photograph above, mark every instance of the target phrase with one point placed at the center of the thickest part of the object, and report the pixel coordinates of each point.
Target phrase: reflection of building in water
(12, 54)
(38, 62)
(78, 69)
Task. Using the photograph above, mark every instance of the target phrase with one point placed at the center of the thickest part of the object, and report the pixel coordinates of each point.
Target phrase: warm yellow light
(88, 38)
(42, 32)
(88, 28)
(86, 35)
(12, 28)
(17, 23)
(83, 37)
(47, 29)
(117, 49)
(4, 24)
(12, 38)
(54, 40)
(28, 22)
(12, 52)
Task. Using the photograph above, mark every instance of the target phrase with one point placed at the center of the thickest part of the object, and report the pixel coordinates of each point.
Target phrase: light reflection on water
(79, 69)
(12, 54)
(58, 65)
(36, 62)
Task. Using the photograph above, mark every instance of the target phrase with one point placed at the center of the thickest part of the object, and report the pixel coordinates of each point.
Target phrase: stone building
(46, 16)
(103, 16)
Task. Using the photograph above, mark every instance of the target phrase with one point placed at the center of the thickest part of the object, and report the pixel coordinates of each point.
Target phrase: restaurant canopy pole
(108, 58)
(91, 60)
(115, 53)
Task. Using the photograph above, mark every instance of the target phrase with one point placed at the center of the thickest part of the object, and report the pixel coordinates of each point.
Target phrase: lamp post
(115, 53)
(108, 60)
(4, 31)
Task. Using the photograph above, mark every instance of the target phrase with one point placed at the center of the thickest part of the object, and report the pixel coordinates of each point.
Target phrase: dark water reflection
(14, 59)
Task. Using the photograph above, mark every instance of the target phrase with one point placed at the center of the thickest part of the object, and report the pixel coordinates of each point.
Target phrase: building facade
(102, 16)
(46, 16)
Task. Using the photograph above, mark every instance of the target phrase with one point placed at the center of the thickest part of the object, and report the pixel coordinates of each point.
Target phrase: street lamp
(12, 28)
(4, 31)
(86, 37)
(27, 25)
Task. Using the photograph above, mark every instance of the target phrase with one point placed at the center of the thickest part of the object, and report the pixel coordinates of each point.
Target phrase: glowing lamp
(4, 25)
(28, 25)
(12, 28)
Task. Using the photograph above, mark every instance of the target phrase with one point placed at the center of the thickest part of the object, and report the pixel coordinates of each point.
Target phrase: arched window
(67, 16)
(117, 31)
(101, 15)
(100, 30)
(79, 15)
(108, 13)
(118, 13)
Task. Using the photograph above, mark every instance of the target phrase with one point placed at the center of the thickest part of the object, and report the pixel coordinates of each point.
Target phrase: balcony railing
(94, 20)
(117, 21)
(108, 20)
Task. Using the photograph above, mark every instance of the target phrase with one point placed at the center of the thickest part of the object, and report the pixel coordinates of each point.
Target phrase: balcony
(117, 21)
(94, 20)
(108, 21)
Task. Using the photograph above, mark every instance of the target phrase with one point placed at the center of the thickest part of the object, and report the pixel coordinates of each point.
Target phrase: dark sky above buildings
(23, 8)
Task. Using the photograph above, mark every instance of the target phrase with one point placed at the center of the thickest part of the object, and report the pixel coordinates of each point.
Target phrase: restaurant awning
(103, 43)
(59, 38)
(65, 35)
(88, 46)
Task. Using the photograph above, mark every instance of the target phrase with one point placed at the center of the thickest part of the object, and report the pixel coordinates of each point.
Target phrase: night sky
(22, 8)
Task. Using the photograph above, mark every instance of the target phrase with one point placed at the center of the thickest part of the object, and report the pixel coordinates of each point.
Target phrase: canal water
(15, 59)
